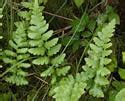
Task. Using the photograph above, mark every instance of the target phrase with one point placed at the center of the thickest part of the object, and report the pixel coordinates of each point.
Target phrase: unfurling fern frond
(17, 56)
(95, 73)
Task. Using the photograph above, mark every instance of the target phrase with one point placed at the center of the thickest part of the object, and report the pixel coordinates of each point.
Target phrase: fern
(70, 88)
(17, 56)
(95, 74)
(42, 45)
(98, 59)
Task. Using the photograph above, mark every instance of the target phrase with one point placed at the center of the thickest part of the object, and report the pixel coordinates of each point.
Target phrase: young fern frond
(95, 73)
(17, 56)
(98, 59)
(70, 88)
(42, 45)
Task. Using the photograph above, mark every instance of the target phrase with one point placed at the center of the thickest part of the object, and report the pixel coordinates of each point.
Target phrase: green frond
(95, 70)
(17, 56)
(70, 88)
(98, 59)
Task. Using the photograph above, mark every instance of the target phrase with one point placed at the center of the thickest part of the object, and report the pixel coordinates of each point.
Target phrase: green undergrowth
(59, 51)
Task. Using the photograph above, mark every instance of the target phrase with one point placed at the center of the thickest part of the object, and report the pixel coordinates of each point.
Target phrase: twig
(59, 16)
(41, 79)
(62, 29)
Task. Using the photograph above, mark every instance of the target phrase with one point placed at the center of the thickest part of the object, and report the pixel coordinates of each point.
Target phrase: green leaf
(96, 92)
(24, 65)
(36, 43)
(12, 44)
(62, 71)
(79, 2)
(41, 61)
(22, 50)
(51, 43)
(24, 14)
(123, 57)
(120, 95)
(10, 53)
(103, 71)
(47, 35)
(58, 60)
(8, 60)
(47, 72)
(100, 80)
(86, 34)
(18, 80)
(37, 51)
(54, 50)
(34, 35)
(121, 72)
(95, 48)
(91, 25)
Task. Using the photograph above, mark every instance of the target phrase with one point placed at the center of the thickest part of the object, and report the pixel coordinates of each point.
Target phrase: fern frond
(98, 59)
(43, 46)
(17, 56)
(70, 88)
(95, 73)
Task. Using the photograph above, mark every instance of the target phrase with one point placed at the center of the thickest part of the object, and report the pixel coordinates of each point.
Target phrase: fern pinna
(95, 73)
